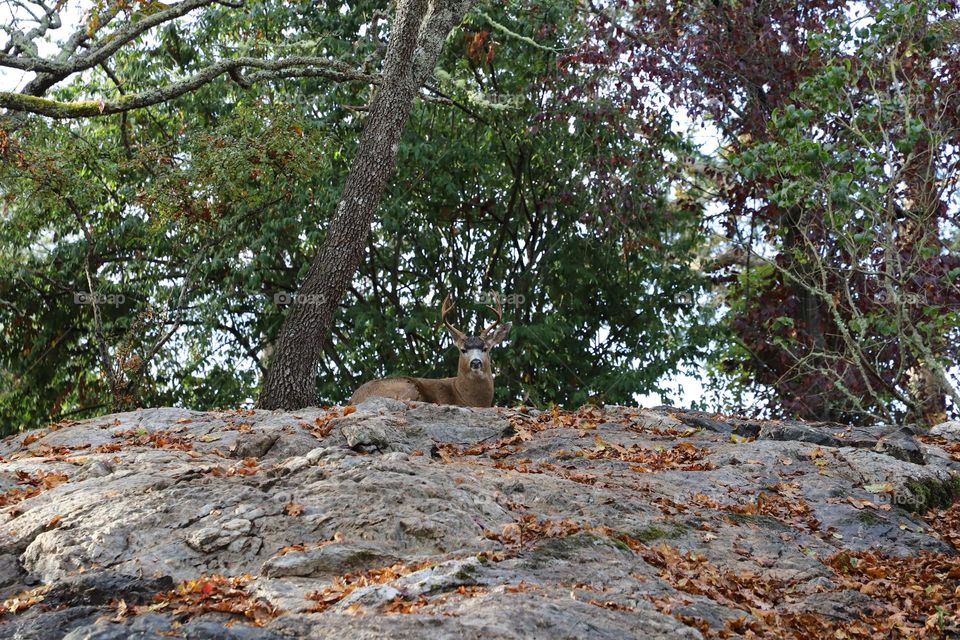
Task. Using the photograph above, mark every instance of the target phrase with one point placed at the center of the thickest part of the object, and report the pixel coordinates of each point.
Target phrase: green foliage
(855, 207)
(202, 210)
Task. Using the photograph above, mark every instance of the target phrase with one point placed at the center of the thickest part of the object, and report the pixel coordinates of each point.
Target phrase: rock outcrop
(444, 522)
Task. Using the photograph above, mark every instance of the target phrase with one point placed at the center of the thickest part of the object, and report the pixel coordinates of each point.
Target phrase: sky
(70, 19)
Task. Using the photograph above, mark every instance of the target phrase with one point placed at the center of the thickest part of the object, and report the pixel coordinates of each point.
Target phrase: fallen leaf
(881, 487)
(32, 437)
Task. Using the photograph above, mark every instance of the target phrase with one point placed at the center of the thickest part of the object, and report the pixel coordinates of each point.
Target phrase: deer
(473, 384)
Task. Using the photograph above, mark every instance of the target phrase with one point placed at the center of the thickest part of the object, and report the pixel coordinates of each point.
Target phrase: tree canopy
(804, 263)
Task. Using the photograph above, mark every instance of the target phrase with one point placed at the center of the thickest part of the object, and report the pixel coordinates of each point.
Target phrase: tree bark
(420, 28)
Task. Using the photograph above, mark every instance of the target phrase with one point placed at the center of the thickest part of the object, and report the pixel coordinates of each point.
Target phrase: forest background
(741, 206)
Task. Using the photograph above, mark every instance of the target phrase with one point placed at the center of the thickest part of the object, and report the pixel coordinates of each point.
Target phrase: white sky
(71, 17)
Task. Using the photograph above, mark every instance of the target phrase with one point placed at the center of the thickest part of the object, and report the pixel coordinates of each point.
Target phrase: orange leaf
(31, 438)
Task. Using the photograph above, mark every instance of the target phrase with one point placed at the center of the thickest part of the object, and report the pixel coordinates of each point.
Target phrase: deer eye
(463, 350)
(484, 349)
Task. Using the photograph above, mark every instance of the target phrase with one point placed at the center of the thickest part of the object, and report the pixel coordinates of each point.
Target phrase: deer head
(473, 384)
(475, 350)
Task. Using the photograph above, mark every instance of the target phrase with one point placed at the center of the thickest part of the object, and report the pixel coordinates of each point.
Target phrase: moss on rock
(930, 494)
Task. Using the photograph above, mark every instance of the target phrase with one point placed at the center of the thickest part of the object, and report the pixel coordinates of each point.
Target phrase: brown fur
(468, 389)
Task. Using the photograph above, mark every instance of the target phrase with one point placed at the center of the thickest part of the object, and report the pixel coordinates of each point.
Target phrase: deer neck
(475, 388)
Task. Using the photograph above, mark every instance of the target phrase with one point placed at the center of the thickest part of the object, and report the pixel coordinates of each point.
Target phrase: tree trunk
(419, 31)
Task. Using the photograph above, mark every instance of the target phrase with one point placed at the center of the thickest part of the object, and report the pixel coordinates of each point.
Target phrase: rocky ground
(442, 522)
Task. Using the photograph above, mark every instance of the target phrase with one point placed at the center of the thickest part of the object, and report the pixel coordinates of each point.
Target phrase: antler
(497, 310)
(445, 308)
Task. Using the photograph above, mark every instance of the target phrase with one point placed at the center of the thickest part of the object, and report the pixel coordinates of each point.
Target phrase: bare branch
(513, 34)
(107, 47)
(52, 70)
(293, 67)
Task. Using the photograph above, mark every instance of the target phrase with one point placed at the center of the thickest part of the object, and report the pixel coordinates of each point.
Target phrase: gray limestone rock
(447, 522)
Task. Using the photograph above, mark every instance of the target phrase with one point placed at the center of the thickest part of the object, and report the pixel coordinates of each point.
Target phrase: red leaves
(245, 467)
(918, 596)
(947, 524)
(50, 452)
(479, 47)
(782, 502)
(612, 606)
(337, 538)
(25, 600)
(51, 479)
(157, 439)
(587, 420)
(953, 448)
(400, 605)
(324, 424)
(344, 585)
(528, 529)
(683, 456)
(214, 593)
(565, 472)
(923, 589)
(293, 509)
(35, 485)
(690, 572)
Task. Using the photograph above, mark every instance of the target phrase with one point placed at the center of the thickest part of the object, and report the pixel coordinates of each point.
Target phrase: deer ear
(457, 338)
(497, 336)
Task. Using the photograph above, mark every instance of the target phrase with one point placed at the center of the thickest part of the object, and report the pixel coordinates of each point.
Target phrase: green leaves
(227, 192)
(838, 175)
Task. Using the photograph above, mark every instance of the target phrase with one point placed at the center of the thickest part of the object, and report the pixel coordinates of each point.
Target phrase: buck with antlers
(473, 384)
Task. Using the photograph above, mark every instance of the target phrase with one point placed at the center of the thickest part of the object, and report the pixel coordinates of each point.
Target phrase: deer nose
(475, 363)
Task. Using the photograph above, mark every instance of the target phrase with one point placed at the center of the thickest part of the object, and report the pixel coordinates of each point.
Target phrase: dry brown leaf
(32, 437)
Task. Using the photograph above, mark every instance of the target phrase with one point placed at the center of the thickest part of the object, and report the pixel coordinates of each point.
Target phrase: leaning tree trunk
(419, 31)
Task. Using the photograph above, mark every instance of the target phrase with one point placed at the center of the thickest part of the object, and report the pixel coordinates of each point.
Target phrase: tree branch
(293, 67)
(513, 34)
(107, 46)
